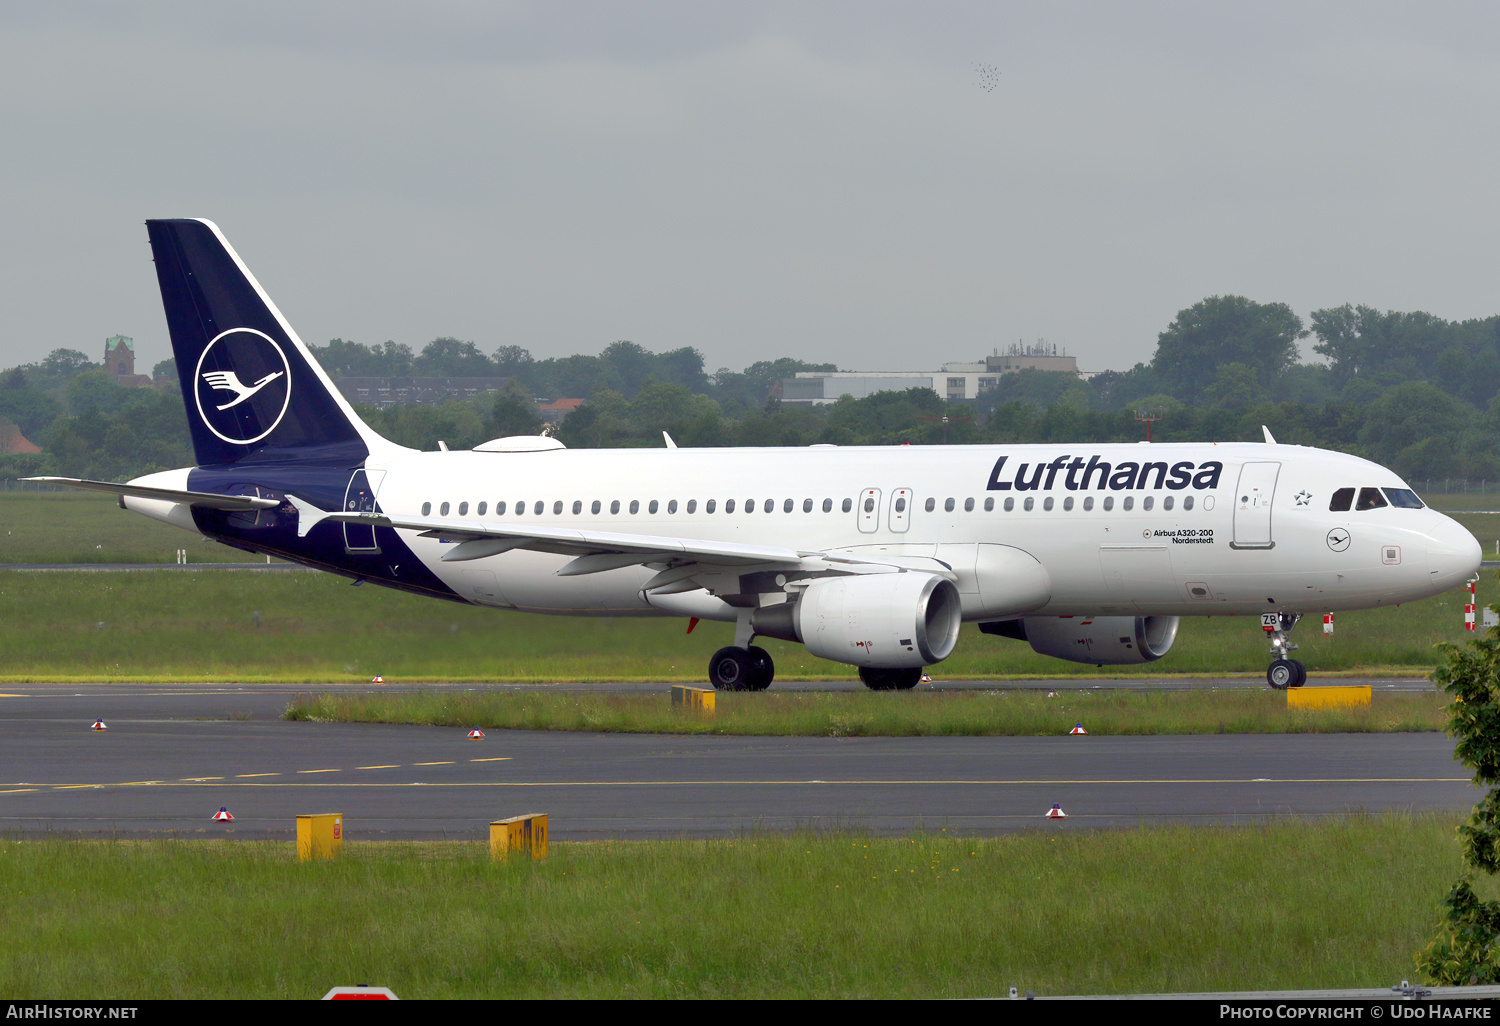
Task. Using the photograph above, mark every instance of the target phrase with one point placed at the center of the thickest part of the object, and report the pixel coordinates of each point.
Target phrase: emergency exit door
(868, 510)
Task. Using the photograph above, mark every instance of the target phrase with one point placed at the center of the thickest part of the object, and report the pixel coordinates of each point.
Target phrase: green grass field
(870, 714)
(184, 625)
(86, 527)
(1285, 905)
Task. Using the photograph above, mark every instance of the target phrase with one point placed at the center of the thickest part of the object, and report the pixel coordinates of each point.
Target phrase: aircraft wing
(210, 500)
(596, 550)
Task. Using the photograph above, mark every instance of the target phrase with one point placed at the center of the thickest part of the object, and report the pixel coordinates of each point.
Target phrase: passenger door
(1252, 506)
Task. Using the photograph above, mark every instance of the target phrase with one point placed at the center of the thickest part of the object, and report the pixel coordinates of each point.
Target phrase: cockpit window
(1403, 498)
(1370, 498)
(1341, 501)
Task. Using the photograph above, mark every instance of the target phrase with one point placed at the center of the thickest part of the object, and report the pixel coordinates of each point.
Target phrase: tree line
(1408, 390)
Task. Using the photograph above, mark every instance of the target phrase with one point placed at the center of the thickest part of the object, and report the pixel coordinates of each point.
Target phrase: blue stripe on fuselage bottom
(274, 532)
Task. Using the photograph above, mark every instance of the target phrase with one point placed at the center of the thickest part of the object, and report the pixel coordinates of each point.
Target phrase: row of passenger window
(1029, 503)
(539, 507)
(654, 506)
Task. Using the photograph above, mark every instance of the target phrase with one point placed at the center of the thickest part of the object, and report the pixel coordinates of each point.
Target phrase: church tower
(119, 356)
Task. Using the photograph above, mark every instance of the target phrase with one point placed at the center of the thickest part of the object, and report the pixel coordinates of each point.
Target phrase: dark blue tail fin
(250, 385)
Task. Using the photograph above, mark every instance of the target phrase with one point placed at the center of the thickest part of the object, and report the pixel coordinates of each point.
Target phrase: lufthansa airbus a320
(870, 556)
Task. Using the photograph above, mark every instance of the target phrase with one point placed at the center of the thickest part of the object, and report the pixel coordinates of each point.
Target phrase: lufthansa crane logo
(229, 381)
(243, 385)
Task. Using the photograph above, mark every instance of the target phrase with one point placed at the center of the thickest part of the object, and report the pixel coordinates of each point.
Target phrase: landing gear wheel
(1282, 674)
(762, 669)
(741, 669)
(902, 678)
(730, 669)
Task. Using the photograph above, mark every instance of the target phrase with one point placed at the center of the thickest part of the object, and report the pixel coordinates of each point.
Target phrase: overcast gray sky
(831, 181)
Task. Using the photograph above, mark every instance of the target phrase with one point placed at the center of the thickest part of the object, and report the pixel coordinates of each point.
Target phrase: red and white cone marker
(1056, 812)
(377, 680)
(1052, 694)
(476, 734)
(223, 815)
(926, 679)
(1078, 730)
(98, 725)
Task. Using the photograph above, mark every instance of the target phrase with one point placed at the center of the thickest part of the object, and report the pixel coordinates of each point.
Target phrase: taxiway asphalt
(172, 755)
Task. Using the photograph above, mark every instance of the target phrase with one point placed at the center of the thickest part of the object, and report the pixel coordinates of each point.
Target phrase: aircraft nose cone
(1453, 553)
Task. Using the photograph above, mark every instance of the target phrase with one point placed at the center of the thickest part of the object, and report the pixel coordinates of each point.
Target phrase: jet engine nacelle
(884, 620)
(1093, 639)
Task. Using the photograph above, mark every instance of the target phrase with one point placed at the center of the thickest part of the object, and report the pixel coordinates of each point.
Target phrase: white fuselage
(1257, 534)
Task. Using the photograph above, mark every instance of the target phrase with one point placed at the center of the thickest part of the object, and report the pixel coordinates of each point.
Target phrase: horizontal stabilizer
(208, 500)
(308, 515)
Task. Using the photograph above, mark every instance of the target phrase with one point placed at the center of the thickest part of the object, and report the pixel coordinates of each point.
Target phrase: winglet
(1269, 439)
(670, 444)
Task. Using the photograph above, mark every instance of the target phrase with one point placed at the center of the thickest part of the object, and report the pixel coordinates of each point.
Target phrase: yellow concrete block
(694, 700)
(1328, 698)
(526, 833)
(320, 836)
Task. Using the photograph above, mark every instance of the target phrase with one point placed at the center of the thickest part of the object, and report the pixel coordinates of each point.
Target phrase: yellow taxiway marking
(448, 763)
(395, 765)
(499, 758)
(196, 780)
(15, 696)
(840, 783)
(742, 783)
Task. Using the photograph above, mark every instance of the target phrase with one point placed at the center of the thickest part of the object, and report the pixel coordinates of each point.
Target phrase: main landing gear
(742, 666)
(738, 668)
(1283, 673)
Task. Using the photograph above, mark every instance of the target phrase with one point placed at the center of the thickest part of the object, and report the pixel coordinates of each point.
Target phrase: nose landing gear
(1283, 673)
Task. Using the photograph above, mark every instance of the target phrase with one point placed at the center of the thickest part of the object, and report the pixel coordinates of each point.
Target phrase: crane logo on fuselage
(243, 385)
(1080, 475)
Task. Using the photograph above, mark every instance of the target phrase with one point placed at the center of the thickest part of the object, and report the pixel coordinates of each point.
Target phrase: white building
(952, 381)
